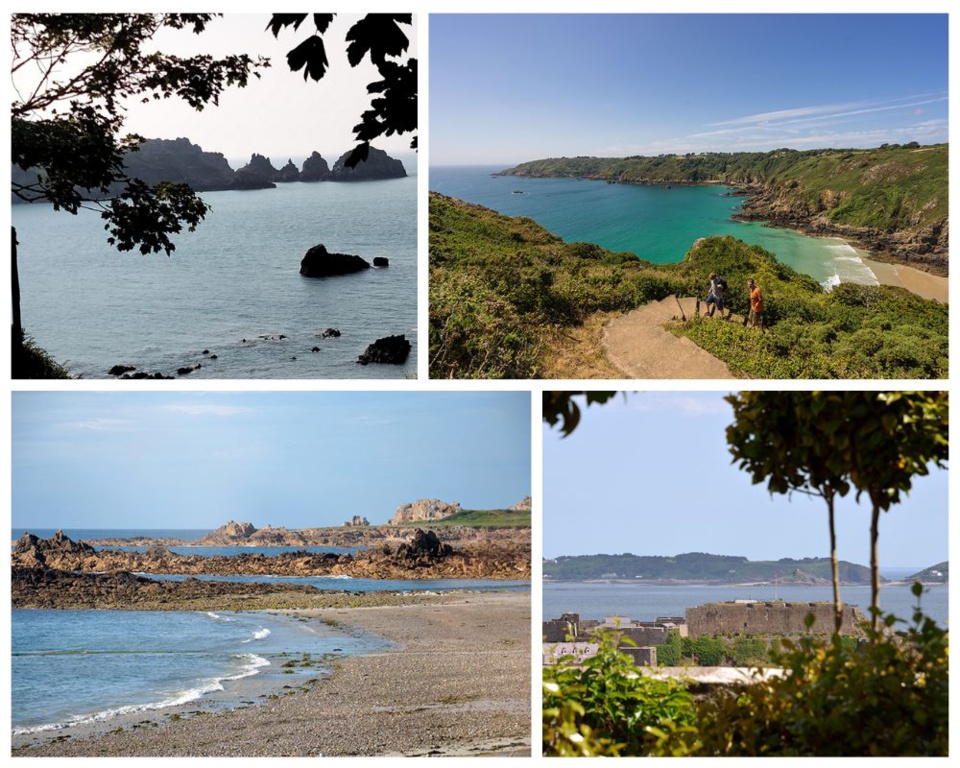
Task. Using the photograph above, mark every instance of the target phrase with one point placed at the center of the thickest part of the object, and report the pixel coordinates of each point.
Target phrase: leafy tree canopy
(72, 75)
(379, 36)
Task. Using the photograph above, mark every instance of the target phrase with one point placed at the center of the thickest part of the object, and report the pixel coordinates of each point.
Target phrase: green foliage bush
(604, 706)
(838, 697)
(887, 696)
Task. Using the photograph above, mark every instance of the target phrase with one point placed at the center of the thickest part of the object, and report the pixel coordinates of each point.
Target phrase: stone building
(756, 617)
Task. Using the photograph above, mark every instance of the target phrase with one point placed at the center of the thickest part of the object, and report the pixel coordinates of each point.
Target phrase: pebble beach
(456, 681)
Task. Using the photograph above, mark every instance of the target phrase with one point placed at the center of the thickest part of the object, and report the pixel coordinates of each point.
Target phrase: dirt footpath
(639, 346)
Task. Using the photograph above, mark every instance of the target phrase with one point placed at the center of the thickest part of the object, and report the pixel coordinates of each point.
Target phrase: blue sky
(650, 474)
(509, 88)
(296, 459)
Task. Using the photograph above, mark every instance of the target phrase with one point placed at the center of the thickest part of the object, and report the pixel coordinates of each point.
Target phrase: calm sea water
(236, 278)
(82, 667)
(658, 225)
(644, 602)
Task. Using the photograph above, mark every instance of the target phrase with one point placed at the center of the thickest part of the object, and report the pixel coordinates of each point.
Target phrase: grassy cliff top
(894, 187)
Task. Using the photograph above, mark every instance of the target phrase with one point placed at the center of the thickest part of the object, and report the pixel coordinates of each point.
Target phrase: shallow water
(74, 668)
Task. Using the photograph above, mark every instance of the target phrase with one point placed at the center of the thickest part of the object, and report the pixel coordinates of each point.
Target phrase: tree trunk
(874, 568)
(15, 290)
(834, 568)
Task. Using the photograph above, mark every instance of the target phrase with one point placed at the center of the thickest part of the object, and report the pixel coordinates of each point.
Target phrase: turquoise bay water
(235, 278)
(658, 225)
(85, 667)
(644, 602)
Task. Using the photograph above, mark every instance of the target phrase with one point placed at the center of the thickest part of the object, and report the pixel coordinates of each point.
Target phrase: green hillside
(506, 297)
(939, 573)
(490, 518)
(701, 567)
(895, 187)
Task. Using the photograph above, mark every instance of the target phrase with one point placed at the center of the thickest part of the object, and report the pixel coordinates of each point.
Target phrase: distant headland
(181, 161)
(702, 568)
(891, 200)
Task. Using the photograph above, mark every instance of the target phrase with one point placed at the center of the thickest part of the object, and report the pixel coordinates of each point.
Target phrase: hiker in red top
(756, 305)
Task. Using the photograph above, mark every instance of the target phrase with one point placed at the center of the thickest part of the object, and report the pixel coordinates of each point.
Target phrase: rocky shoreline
(926, 249)
(417, 555)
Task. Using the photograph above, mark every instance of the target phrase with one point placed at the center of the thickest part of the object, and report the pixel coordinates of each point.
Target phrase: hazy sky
(650, 474)
(297, 459)
(280, 115)
(509, 88)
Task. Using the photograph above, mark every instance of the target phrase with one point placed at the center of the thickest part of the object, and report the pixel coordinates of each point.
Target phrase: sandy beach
(916, 281)
(456, 682)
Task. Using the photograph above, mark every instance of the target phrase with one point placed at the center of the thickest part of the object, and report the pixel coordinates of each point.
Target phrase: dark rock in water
(315, 168)
(381, 261)
(318, 262)
(378, 165)
(393, 350)
(315, 349)
(145, 375)
(288, 173)
(330, 333)
(188, 369)
(119, 370)
(259, 173)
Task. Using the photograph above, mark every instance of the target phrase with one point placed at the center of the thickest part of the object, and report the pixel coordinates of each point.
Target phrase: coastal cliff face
(924, 247)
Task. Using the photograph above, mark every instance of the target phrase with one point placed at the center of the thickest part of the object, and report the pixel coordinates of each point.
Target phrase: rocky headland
(891, 200)
(922, 247)
(180, 161)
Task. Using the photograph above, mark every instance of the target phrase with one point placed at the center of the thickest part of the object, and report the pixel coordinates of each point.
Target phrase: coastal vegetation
(509, 299)
(894, 684)
(894, 688)
(893, 198)
(478, 518)
(701, 567)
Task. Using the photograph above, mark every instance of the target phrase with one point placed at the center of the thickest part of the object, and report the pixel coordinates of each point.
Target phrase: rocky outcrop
(315, 168)
(33, 552)
(424, 509)
(47, 588)
(318, 262)
(378, 165)
(235, 534)
(259, 173)
(926, 248)
(391, 350)
(179, 161)
(417, 554)
(288, 173)
(357, 521)
(523, 506)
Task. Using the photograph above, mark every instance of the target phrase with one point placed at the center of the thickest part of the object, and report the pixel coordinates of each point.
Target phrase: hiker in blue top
(715, 297)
